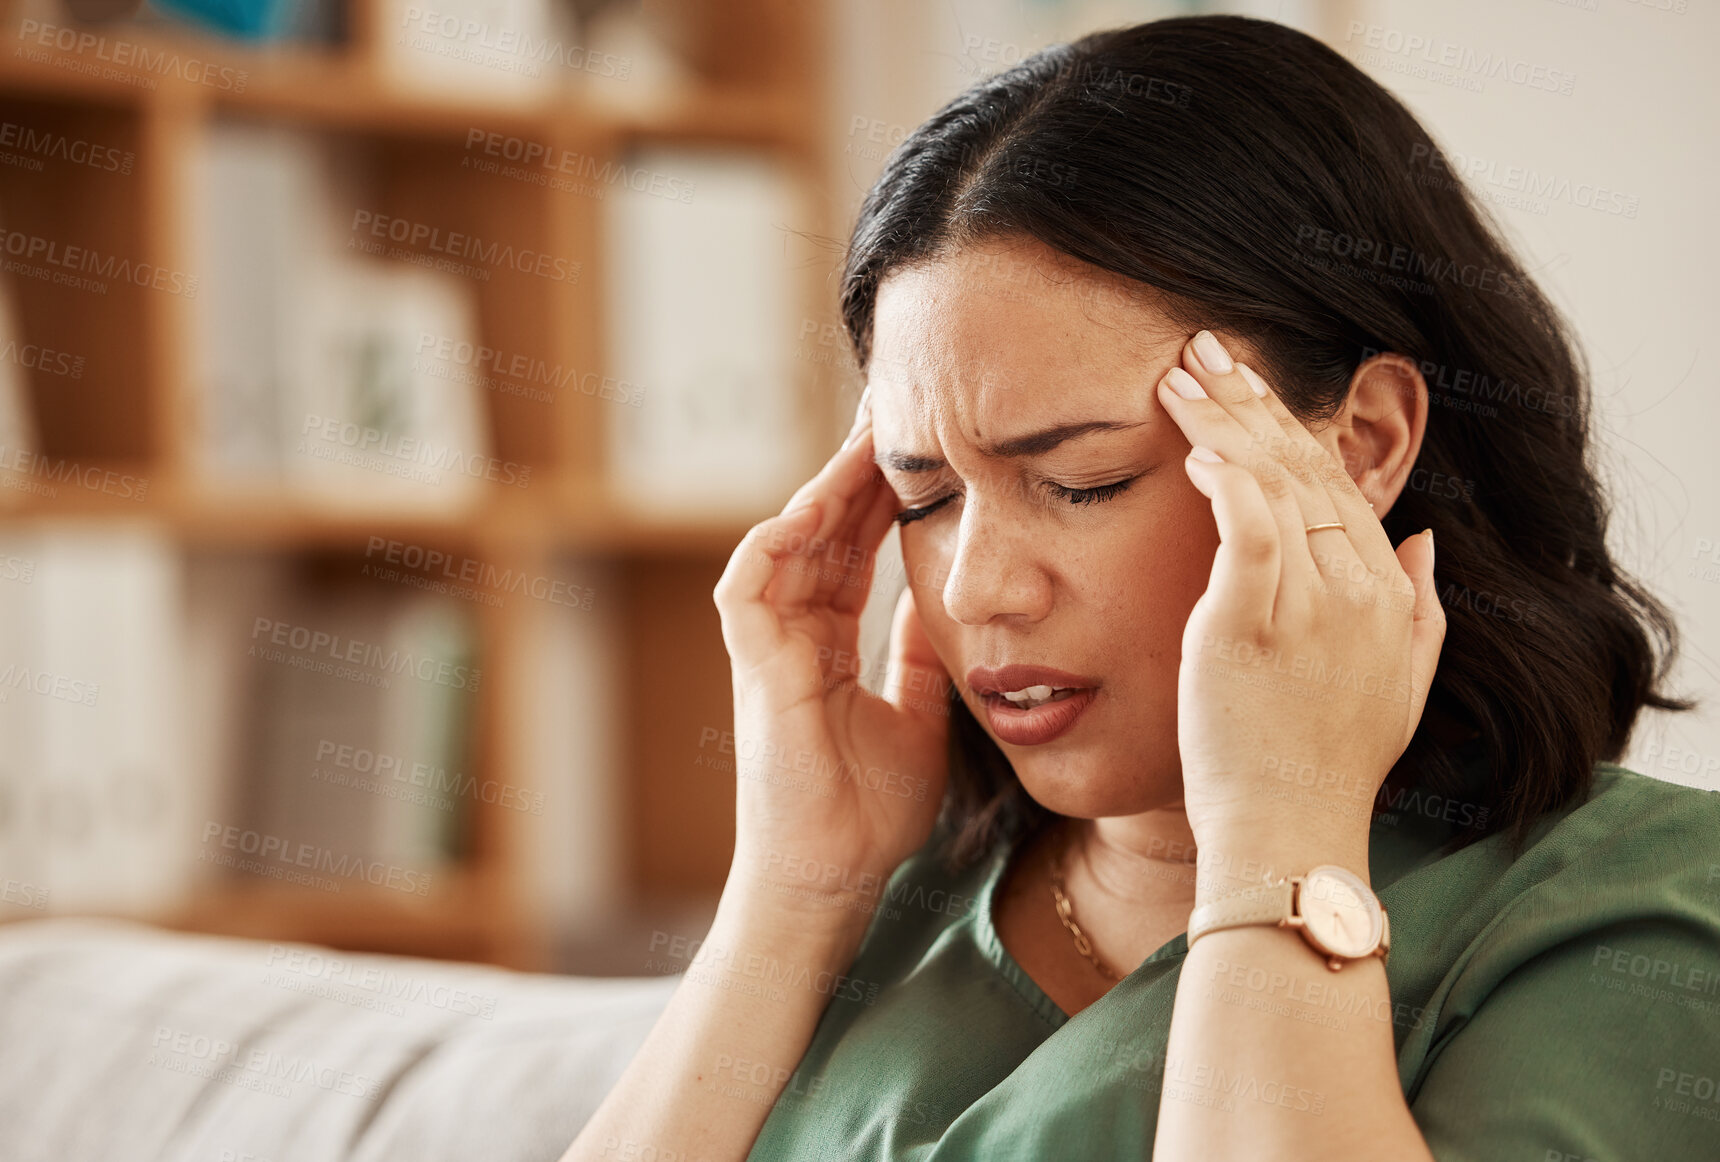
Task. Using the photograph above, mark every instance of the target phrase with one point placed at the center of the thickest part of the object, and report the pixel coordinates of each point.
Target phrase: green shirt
(1560, 1006)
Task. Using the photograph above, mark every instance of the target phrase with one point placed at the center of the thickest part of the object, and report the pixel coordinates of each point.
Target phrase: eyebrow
(1017, 447)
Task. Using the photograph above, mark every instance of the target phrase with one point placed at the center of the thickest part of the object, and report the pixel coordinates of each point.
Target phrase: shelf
(634, 536)
(275, 521)
(335, 90)
(119, 432)
(293, 522)
(451, 922)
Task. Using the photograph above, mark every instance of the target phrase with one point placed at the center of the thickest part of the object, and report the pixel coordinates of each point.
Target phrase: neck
(1137, 856)
(1132, 881)
(1147, 858)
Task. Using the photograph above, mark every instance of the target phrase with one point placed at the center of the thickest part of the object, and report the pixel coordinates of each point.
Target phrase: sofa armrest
(122, 1041)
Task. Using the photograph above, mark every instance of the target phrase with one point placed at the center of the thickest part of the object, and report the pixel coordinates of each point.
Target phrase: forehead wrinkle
(962, 362)
(1024, 447)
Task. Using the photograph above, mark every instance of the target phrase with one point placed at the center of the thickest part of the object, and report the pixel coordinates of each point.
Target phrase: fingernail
(1428, 533)
(1211, 353)
(1201, 452)
(1253, 378)
(1184, 384)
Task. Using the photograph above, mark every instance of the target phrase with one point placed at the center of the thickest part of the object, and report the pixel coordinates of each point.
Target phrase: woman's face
(1013, 398)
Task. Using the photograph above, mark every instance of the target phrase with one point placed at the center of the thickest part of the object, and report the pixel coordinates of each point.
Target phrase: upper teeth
(1033, 694)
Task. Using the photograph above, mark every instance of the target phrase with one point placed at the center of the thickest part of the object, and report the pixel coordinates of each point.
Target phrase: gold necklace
(1066, 913)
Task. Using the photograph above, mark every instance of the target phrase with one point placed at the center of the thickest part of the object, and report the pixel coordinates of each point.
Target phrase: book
(502, 51)
(253, 221)
(98, 815)
(305, 358)
(703, 317)
(360, 706)
(369, 424)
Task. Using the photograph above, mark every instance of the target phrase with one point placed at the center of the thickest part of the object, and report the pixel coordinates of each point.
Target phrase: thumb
(1427, 630)
(917, 683)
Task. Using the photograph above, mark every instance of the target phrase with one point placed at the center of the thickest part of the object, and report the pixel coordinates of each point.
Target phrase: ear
(1378, 432)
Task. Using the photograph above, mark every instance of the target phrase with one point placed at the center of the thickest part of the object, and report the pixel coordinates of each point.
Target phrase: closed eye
(1097, 495)
(910, 515)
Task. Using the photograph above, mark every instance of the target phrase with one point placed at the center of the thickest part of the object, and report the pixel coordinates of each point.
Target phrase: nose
(994, 572)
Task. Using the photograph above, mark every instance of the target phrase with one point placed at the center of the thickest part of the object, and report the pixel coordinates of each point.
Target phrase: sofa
(124, 1043)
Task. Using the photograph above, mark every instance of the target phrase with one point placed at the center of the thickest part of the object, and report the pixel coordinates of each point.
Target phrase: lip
(1041, 724)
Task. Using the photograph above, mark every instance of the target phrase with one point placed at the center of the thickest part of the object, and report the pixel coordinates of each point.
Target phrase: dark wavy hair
(1264, 185)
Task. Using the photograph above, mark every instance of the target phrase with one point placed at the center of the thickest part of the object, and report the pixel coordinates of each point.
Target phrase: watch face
(1339, 912)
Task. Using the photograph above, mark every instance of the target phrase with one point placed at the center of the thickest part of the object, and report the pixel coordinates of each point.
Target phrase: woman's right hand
(835, 786)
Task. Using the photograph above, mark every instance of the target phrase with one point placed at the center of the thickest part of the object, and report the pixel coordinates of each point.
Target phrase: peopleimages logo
(63, 264)
(1445, 168)
(465, 247)
(434, 779)
(271, 850)
(1360, 253)
(318, 644)
(45, 143)
(127, 54)
(521, 371)
(48, 685)
(311, 965)
(1460, 60)
(184, 1051)
(530, 52)
(376, 448)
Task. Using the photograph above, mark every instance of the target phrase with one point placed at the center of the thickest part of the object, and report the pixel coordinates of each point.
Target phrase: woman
(1171, 335)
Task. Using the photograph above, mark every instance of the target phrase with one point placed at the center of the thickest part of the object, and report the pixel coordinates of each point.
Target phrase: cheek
(1143, 582)
(926, 566)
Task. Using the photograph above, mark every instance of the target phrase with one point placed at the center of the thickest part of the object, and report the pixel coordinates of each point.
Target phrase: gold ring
(1337, 524)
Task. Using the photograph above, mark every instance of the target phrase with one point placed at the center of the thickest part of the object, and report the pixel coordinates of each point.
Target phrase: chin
(1098, 784)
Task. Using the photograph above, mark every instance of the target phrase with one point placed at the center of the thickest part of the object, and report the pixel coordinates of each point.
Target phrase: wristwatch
(1337, 914)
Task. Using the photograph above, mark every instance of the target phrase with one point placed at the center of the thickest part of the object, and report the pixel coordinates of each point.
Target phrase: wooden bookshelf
(133, 412)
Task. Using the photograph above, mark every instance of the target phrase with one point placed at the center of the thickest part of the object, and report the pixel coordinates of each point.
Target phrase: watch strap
(1261, 904)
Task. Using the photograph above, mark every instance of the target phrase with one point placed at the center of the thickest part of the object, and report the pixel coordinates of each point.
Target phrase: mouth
(1038, 695)
(1031, 705)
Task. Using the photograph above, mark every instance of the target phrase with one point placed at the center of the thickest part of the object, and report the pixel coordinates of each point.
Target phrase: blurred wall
(1640, 120)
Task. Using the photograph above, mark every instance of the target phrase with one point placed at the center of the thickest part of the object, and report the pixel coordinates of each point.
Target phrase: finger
(751, 626)
(1241, 391)
(855, 586)
(1243, 394)
(841, 459)
(1245, 571)
(916, 682)
(845, 577)
(1348, 558)
(1368, 538)
(1208, 425)
(1427, 632)
(843, 486)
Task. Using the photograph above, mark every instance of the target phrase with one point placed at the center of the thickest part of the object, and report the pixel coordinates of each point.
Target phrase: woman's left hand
(1307, 661)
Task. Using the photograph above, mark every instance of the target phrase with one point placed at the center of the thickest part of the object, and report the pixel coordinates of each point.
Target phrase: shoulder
(1637, 864)
(1635, 840)
(1637, 852)
(1635, 845)
(1644, 805)
(1580, 989)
